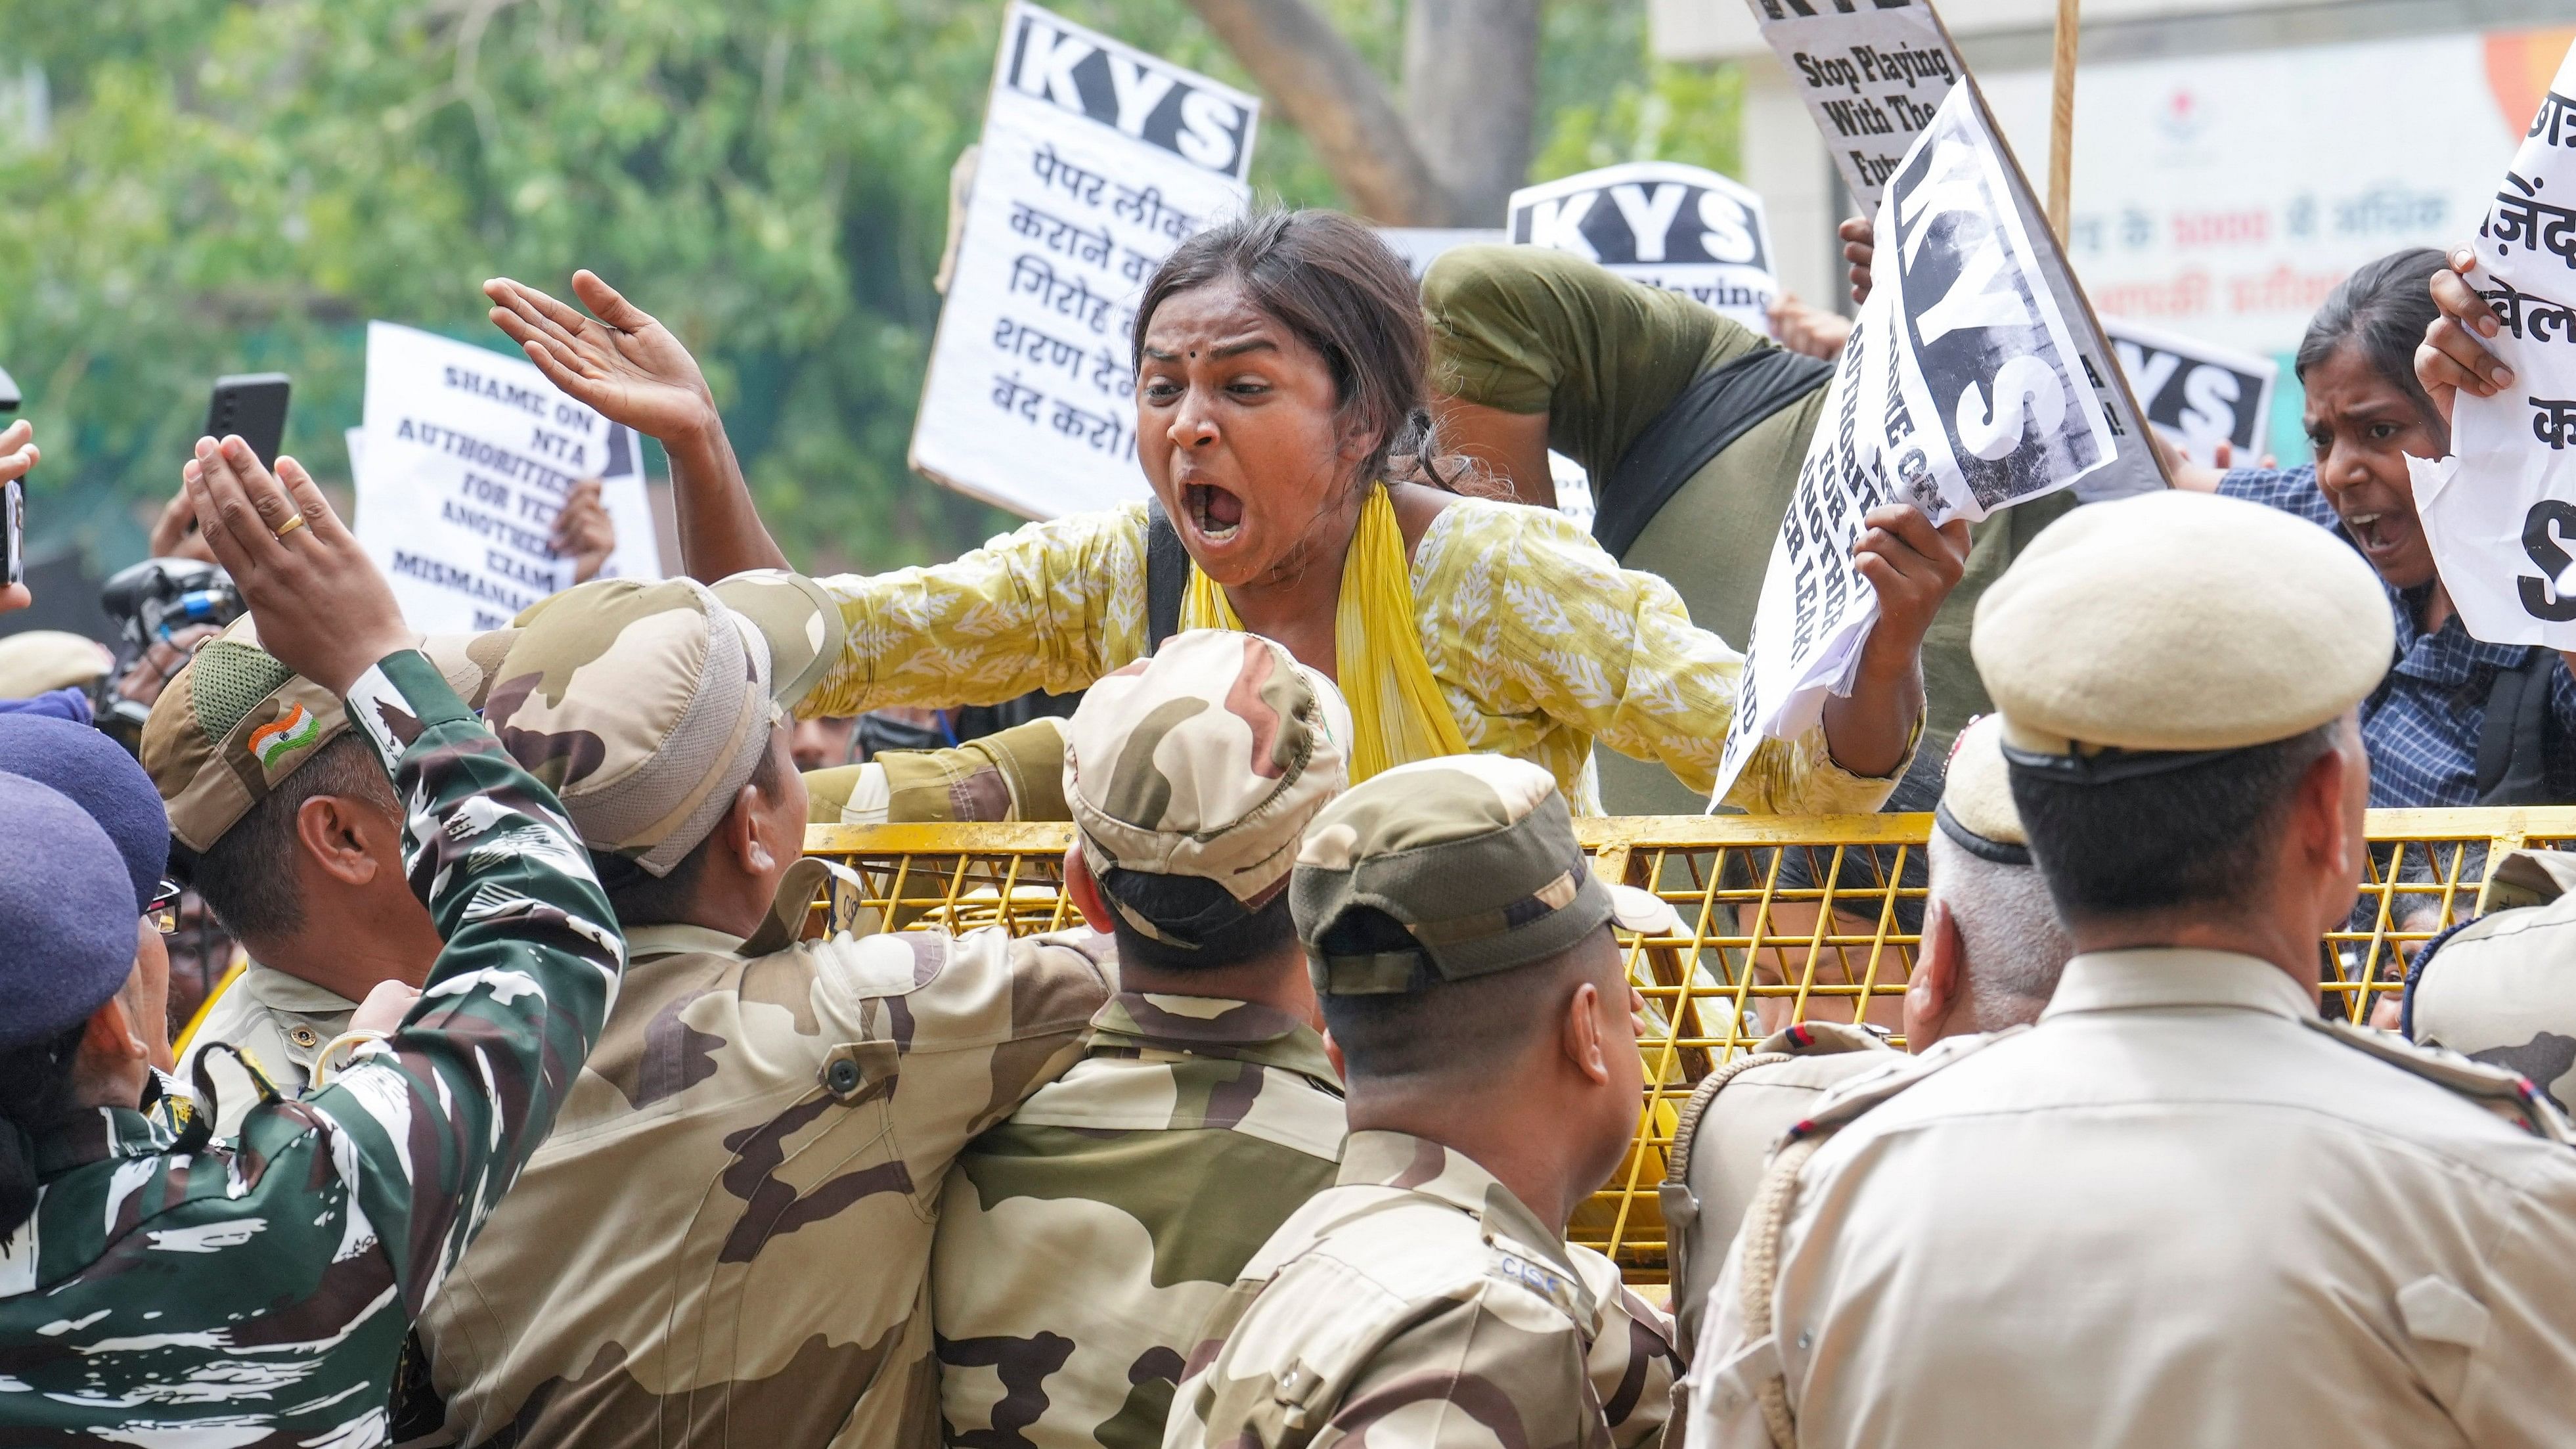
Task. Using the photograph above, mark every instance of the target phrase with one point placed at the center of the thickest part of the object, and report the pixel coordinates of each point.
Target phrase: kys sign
(1681, 228)
(1139, 95)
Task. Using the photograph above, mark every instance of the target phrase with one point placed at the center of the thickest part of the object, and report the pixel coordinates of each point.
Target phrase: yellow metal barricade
(1759, 947)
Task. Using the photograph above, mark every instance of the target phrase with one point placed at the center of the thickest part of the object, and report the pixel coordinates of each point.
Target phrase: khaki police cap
(1207, 759)
(1976, 810)
(646, 706)
(1474, 855)
(42, 659)
(234, 722)
(2155, 632)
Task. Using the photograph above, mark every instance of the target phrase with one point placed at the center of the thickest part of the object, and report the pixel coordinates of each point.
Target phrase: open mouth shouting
(1215, 514)
(2379, 534)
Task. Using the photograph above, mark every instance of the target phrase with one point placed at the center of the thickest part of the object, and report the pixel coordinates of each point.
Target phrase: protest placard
(2500, 512)
(1683, 228)
(2199, 393)
(1874, 77)
(1097, 159)
(463, 460)
(1960, 391)
(1871, 75)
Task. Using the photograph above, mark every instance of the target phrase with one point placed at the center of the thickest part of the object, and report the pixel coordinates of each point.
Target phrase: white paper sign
(1682, 228)
(1872, 77)
(2199, 393)
(463, 461)
(1961, 391)
(1097, 160)
(2500, 513)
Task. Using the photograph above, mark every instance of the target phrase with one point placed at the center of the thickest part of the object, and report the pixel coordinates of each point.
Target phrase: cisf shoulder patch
(1517, 1265)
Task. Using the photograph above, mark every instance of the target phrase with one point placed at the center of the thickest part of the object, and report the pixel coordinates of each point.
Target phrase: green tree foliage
(228, 187)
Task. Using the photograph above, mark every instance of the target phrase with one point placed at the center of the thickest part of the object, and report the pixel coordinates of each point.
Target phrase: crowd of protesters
(540, 1114)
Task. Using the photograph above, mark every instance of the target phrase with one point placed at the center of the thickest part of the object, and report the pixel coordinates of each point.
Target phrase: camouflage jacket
(727, 1239)
(256, 1292)
(1418, 1302)
(1082, 1242)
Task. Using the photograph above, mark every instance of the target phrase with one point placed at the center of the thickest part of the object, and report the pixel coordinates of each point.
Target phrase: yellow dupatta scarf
(1397, 711)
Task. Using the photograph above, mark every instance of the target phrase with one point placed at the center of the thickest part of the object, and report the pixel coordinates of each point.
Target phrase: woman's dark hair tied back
(2382, 308)
(35, 1093)
(1332, 282)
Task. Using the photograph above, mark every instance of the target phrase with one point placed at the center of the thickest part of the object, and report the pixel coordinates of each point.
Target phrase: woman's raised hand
(618, 359)
(2451, 357)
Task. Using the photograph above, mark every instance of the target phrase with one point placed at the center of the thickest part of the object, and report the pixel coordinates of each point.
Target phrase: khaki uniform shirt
(282, 1021)
(1732, 1135)
(2503, 989)
(1417, 1302)
(1083, 1242)
(727, 1239)
(2180, 1211)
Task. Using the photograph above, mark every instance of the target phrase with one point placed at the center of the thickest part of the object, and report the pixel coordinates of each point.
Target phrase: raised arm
(1052, 606)
(430, 1125)
(1614, 651)
(630, 369)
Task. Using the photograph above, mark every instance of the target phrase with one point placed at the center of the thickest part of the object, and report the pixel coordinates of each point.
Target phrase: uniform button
(304, 1036)
(1806, 1340)
(842, 1076)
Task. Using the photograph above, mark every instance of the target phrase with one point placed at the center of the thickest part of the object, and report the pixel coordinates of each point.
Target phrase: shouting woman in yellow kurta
(1279, 364)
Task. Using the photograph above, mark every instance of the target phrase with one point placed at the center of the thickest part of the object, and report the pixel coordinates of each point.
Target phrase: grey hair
(2016, 946)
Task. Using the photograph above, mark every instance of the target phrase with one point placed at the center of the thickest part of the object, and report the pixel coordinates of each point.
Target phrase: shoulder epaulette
(2508, 1094)
(1850, 1099)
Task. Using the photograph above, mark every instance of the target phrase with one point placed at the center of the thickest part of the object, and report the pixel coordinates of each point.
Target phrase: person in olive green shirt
(1534, 349)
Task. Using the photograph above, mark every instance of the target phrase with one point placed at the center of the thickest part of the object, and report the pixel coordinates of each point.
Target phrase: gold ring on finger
(290, 525)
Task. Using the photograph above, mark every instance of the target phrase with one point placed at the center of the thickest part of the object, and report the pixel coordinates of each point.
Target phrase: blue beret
(102, 779)
(65, 911)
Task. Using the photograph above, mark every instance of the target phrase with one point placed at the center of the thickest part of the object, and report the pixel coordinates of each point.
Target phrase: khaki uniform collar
(1211, 1026)
(1417, 1164)
(677, 938)
(279, 991)
(2149, 978)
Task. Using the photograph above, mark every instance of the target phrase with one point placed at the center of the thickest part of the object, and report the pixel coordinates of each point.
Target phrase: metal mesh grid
(1782, 921)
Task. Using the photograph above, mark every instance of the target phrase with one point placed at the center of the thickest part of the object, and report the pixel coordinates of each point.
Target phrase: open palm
(626, 366)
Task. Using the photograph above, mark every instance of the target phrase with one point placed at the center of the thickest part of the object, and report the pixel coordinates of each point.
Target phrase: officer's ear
(1586, 1041)
(1084, 888)
(1934, 992)
(349, 837)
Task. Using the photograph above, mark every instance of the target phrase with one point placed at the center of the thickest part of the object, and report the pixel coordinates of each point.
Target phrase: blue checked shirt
(2422, 723)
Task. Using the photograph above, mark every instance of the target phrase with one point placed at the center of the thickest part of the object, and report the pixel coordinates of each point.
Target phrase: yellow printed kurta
(1541, 644)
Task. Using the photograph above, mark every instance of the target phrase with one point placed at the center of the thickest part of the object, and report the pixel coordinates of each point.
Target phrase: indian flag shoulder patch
(284, 735)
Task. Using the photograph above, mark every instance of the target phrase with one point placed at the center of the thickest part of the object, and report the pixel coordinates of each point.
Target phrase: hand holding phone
(251, 406)
(18, 454)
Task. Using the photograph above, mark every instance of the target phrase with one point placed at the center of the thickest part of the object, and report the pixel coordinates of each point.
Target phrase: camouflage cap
(1206, 760)
(1474, 855)
(234, 722)
(802, 623)
(645, 706)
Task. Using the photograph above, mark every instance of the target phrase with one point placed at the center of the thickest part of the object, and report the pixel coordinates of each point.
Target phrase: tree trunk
(1308, 70)
(1471, 97)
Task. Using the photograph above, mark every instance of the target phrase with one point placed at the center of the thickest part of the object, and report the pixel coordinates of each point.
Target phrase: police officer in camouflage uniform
(727, 1240)
(1082, 1242)
(286, 827)
(1483, 1022)
(168, 1290)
